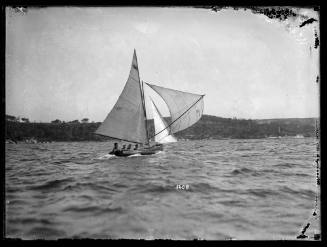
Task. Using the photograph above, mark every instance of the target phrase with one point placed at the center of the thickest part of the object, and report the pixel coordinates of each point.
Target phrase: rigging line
(179, 116)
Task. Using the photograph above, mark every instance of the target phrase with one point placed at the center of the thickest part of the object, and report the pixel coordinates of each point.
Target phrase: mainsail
(160, 126)
(127, 120)
(185, 108)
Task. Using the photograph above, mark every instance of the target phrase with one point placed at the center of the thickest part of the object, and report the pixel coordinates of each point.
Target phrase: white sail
(126, 120)
(160, 126)
(185, 108)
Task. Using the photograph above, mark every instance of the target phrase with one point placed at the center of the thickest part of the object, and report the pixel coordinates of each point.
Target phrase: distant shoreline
(29, 141)
(208, 127)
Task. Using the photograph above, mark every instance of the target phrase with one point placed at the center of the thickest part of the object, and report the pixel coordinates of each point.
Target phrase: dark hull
(144, 151)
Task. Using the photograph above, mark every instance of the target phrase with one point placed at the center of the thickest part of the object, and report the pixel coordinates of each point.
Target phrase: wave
(301, 174)
(45, 233)
(93, 209)
(120, 185)
(278, 172)
(105, 157)
(204, 188)
(262, 192)
(244, 149)
(62, 161)
(134, 155)
(31, 159)
(28, 220)
(151, 188)
(140, 155)
(53, 184)
(87, 197)
(286, 164)
(90, 185)
(89, 235)
(244, 170)
(301, 192)
(84, 162)
(40, 148)
(13, 189)
(210, 162)
(16, 202)
(232, 202)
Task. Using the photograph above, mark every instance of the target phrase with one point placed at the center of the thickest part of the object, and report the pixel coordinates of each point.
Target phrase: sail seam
(179, 116)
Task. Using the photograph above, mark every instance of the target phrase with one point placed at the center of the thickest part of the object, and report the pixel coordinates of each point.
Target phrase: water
(239, 189)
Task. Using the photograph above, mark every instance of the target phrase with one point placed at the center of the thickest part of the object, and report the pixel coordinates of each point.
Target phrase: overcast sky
(70, 63)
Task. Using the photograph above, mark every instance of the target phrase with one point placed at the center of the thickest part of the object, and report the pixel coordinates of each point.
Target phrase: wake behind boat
(127, 121)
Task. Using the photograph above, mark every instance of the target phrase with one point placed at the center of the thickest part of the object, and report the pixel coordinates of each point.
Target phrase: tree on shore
(85, 120)
(11, 118)
(25, 120)
(57, 121)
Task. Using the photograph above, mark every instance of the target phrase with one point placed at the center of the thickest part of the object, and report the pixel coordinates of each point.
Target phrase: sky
(72, 63)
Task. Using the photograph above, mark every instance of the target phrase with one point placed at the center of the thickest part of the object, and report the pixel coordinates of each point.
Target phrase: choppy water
(240, 189)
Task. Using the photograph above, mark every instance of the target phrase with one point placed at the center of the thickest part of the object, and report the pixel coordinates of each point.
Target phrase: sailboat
(127, 121)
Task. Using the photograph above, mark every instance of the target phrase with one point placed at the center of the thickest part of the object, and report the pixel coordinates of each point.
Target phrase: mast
(143, 101)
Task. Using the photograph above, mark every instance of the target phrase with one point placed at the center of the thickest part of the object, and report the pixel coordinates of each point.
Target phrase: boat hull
(142, 151)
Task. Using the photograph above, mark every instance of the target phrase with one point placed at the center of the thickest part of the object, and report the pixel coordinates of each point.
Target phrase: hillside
(208, 127)
(300, 121)
(217, 128)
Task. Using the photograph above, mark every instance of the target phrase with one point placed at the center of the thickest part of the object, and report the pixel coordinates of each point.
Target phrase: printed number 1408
(182, 186)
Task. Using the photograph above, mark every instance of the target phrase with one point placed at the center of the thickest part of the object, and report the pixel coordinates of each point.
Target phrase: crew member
(115, 149)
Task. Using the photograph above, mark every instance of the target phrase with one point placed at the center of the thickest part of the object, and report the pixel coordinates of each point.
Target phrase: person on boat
(129, 146)
(115, 149)
(124, 147)
(136, 146)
